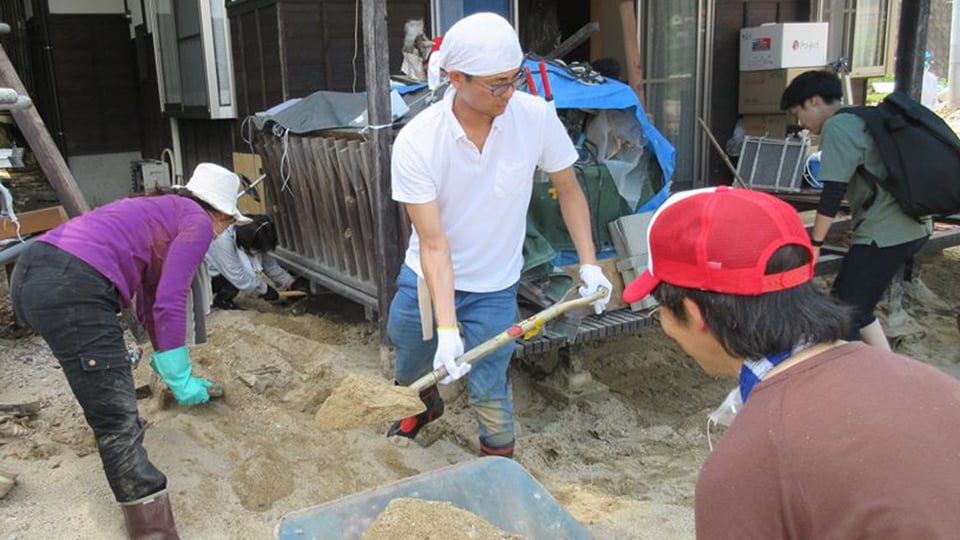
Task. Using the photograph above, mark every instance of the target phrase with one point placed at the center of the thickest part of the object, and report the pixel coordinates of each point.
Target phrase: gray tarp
(324, 110)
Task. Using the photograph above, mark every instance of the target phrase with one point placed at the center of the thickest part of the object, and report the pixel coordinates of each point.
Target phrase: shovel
(360, 401)
(527, 328)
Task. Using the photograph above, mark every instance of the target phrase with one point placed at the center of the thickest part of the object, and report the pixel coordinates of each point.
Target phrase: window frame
(436, 15)
(850, 26)
(213, 108)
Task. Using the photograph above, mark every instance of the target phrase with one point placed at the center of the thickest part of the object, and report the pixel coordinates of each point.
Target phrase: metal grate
(592, 328)
(773, 164)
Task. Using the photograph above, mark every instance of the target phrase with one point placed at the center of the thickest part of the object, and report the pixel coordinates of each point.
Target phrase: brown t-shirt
(854, 443)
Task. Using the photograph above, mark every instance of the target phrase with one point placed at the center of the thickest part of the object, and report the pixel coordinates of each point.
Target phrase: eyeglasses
(502, 88)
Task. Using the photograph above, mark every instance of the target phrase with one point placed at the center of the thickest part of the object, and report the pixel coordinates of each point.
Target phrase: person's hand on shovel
(449, 348)
(592, 279)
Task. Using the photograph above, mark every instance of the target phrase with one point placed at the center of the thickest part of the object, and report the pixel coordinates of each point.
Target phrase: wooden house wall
(256, 59)
(16, 43)
(91, 69)
(284, 49)
(206, 141)
(43, 93)
(730, 17)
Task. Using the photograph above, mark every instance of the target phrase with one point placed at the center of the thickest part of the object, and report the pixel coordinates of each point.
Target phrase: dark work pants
(223, 289)
(864, 276)
(74, 308)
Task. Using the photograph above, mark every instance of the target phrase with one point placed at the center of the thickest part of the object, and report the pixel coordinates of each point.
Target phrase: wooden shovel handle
(534, 322)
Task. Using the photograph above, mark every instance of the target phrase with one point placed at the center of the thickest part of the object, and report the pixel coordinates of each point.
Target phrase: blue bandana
(753, 371)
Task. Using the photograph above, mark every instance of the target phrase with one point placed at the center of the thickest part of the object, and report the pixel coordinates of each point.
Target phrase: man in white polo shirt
(463, 169)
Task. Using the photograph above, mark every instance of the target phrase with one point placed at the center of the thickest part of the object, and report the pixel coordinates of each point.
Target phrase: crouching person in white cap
(829, 439)
(71, 284)
(463, 169)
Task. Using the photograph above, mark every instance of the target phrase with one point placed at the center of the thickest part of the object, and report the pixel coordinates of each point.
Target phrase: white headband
(481, 44)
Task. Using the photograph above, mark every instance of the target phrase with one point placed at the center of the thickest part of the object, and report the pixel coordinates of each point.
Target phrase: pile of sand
(366, 401)
(431, 520)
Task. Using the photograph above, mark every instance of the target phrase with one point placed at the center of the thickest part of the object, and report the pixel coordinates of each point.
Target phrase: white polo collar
(451, 120)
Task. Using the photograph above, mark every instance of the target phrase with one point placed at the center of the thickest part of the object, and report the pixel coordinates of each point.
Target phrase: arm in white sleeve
(224, 258)
(280, 277)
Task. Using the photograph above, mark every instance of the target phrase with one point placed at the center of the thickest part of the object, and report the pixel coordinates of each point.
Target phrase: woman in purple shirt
(71, 284)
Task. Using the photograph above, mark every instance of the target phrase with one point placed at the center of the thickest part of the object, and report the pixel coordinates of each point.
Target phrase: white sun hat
(217, 187)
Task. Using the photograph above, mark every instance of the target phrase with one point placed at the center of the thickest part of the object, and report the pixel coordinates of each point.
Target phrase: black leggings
(864, 276)
(74, 308)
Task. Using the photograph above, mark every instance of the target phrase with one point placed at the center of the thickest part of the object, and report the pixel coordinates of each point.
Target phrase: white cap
(217, 187)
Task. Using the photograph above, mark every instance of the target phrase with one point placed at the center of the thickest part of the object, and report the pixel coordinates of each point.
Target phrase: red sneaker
(409, 427)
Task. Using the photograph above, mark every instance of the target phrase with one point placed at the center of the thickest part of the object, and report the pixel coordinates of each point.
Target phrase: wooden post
(386, 214)
(628, 18)
(42, 145)
(911, 44)
(574, 41)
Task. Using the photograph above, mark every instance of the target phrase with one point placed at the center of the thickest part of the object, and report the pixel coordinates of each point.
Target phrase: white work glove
(449, 348)
(591, 279)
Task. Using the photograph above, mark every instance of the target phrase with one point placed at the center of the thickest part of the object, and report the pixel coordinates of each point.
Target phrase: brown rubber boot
(7, 481)
(150, 518)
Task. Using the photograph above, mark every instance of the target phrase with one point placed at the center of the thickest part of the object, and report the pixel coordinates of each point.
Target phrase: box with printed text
(786, 45)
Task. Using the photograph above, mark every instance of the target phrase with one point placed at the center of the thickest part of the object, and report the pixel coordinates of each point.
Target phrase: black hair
(756, 326)
(185, 193)
(608, 67)
(810, 84)
(259, 235)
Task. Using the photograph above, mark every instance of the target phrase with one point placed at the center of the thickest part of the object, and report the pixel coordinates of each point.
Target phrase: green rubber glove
(174, 368)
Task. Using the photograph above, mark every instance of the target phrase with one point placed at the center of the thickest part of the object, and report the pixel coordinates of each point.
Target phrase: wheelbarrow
(497, 489)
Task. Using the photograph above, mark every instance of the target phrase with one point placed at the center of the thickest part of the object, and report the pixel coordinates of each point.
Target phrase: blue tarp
(569, 93)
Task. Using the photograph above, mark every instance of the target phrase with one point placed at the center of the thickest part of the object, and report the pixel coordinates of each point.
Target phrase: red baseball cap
(720, 239)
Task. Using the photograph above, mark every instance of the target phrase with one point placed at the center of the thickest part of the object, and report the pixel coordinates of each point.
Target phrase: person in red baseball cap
(837, 439)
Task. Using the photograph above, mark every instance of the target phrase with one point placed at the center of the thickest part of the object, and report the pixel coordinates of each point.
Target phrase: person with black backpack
(885, 236)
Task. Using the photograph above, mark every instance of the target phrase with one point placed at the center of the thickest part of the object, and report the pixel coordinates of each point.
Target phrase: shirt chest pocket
(513, 178)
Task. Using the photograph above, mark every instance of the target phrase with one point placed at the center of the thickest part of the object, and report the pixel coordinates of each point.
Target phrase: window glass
(170, 64)
(190, 46)
(870, 33)
(220, 51)
(192, 72)
(452, 11)
(858, 32)
(671, 92)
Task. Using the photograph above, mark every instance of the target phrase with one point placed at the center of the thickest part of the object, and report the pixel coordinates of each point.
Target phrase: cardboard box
(760, 91)
(250, 166)
(776, 46)
(33, 222)
(768, 125)
(609, 268)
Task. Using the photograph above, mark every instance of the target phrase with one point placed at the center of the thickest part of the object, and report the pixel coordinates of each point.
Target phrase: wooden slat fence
(320, 194)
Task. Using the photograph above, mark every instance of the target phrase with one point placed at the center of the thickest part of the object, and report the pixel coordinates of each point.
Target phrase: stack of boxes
(772, 55)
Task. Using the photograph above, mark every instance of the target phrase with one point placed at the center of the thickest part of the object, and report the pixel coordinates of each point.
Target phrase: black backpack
(920, 151)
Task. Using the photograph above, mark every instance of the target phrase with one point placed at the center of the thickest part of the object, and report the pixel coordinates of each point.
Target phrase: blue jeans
(481, 316)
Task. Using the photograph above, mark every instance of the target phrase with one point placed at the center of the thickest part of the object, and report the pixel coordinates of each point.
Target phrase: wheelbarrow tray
(498, 490)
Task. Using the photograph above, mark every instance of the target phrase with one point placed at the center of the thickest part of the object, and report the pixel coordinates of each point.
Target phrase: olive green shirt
(845, 145)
